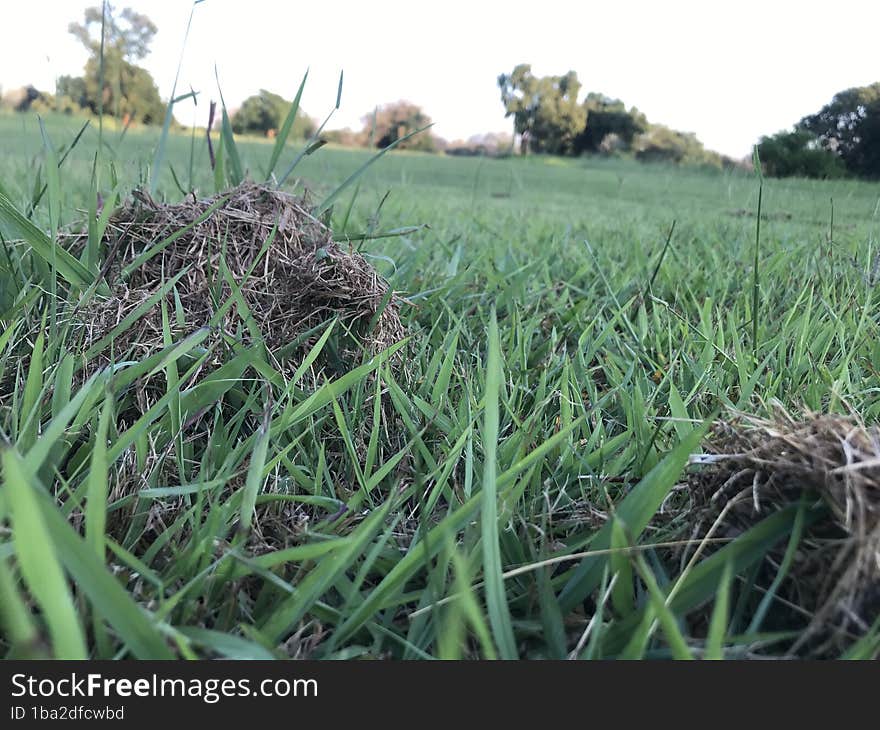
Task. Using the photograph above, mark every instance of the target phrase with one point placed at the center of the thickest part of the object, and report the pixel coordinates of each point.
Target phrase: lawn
(516, 485)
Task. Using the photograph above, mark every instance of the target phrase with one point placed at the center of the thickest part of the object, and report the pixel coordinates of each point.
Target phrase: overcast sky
(729, 71)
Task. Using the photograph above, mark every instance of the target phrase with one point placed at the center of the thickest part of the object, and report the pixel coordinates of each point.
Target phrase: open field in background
(493, 451)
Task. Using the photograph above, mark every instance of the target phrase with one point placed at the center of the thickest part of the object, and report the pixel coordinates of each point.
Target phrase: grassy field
(510, 490)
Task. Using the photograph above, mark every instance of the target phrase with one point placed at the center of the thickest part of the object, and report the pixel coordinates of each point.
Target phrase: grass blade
(254, 479)
(38, 558)
(169, 111)
(14, 226)
(720, 617)
(284, 133)
(496, 597)
(236, 172)
(331, 198)
(636, 511)
(107, 595)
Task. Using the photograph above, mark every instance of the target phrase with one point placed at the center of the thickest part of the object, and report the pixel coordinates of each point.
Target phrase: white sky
(729, 71)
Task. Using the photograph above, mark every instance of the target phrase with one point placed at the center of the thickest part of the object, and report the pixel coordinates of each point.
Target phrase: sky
(729, 71)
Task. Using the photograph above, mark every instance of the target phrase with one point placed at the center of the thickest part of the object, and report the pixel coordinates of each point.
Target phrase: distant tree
(849, 126)
(23, 98)
(30, 99)
(128, 90)
(73, 88)
(662, 144)
(491, 144)
(265, 112)
(798, 153)
(607, 116)
(439, 144)
(346, 137)
(396, 120)
(127, 34)
(460, 148)
(548, 118)
(613, 144)
(545, 109)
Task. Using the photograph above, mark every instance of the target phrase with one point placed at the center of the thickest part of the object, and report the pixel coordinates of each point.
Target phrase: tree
(127, 35)
(662, 144)
(22, 99)
(849, 126)
(548, 118)
(396, 120)
(345, 137)
(128, 90)
(607, 116)
(265, 112)
(798, 153)
(73, 88)
(545, 110)
(491, 144)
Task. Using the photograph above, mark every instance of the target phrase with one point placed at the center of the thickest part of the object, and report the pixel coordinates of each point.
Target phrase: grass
(566, 347)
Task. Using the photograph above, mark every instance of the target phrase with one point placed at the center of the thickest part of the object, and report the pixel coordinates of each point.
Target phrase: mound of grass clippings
(756, 465)
(254, 246)
(255, 268)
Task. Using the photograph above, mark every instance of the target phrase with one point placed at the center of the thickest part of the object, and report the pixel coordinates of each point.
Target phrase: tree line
(119, 87)
(841, 139)
(548, 117)
(389, 124)
(549, 114)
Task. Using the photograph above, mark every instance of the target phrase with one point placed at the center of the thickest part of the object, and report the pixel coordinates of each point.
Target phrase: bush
(345, 137)
(607, 117)
(75, 89)
(23, 98)
(396, 120)
(662, 144)
(492, 144)
(849, 127)
(265, 112)
(798, 154)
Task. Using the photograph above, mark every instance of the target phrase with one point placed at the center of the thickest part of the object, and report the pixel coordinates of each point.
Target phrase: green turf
(560, 370)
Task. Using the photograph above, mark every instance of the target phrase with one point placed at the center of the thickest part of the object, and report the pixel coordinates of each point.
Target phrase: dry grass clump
(301, 280)
(754, 464)
(262, 250)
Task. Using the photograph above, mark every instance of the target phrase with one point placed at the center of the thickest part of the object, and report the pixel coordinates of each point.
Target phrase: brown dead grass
(293, 278)
(301, 280)
(756, 464)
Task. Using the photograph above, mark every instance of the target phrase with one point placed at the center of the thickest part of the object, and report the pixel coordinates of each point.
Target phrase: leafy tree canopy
(798, 153)
(849, 126)
(662, 144)
(396, 120)
(265, 112)
(545, 109)
(127, 34)
(127, 89)
(607, 116)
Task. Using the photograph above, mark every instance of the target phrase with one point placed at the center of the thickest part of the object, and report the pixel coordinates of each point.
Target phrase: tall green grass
(497, 494)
